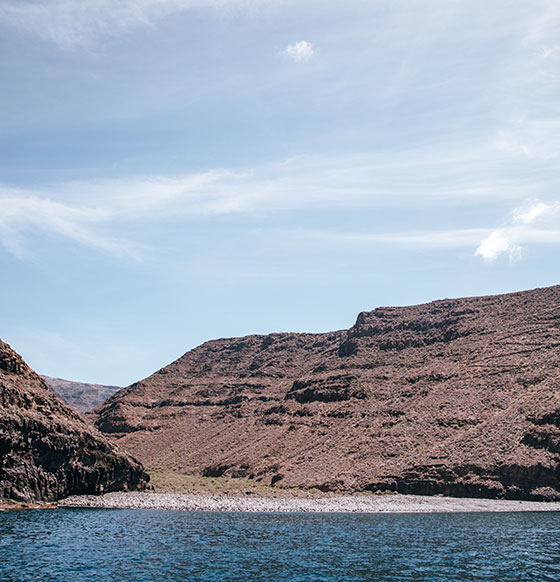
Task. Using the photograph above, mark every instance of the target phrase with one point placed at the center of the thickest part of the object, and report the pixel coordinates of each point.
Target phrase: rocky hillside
(80, 396)
(459, 397)
(47, 451)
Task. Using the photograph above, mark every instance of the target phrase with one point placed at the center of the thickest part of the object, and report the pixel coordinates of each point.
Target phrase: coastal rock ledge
(47, 451)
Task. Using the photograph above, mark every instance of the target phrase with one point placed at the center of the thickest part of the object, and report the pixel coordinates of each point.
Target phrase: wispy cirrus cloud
(74, 23)
(88, 212)
(24, 214)
(459, 238)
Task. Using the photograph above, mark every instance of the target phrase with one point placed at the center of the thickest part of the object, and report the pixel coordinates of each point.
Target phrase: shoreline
(10, 505)
(332, 504)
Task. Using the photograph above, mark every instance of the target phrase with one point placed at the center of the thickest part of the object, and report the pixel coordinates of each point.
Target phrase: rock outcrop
(458, 397)
(79, 395)
(47, 451)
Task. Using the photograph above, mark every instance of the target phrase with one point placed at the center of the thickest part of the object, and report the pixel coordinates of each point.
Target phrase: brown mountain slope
(80, 396)
(47, 451)
(460, 397)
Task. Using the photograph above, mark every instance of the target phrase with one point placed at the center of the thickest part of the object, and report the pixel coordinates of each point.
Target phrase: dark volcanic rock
(80, 396)
(458, 397)
(47, 451)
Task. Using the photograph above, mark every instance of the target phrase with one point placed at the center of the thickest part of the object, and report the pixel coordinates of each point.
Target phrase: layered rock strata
(47, 451)
(458, 397)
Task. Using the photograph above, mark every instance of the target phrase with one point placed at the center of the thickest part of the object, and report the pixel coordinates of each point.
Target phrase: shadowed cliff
(47, 451)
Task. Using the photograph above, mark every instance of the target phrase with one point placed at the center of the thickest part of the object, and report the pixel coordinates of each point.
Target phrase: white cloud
(507, 240)
(530, 213)
(496, 244)
(299, 52)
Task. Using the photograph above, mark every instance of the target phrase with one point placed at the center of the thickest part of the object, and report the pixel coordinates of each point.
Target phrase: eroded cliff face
(459, 397)
(47, 451)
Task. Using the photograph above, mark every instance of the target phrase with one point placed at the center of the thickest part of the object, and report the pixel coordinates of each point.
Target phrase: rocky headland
(47, 451)
(459, 397)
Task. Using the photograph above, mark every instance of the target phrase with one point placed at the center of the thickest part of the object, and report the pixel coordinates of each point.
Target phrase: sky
(173, 171)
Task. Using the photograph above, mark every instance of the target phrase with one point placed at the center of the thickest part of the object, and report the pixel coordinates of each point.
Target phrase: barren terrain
(457, 397)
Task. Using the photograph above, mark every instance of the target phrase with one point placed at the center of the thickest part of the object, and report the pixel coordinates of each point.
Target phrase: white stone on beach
(339, 503)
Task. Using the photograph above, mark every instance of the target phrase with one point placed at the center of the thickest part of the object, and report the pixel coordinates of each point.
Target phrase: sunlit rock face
(459, 397)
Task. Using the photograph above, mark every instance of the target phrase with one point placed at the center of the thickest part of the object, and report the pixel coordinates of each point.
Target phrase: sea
(98, 545)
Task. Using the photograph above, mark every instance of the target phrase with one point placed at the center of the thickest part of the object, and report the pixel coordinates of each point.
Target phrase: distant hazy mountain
(457, 397)
(47, 450)
(80, 396)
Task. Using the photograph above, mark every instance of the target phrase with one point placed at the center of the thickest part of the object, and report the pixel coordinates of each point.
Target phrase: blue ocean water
(75, 545)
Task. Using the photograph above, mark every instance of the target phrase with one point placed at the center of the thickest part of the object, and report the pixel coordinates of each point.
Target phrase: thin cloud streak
(436, 239)
(80, 210)
(23, 213)
(453, 238)
(74, 23)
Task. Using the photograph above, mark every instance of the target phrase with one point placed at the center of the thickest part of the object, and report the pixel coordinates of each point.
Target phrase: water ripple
(81, 545)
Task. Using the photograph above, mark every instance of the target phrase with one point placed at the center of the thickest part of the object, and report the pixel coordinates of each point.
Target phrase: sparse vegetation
(172, 482)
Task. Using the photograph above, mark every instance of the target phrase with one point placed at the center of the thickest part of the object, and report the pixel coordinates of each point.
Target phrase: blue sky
(173, 171)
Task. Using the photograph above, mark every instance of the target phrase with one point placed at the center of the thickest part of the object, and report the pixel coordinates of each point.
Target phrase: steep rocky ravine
(47, 451)
(459, 397)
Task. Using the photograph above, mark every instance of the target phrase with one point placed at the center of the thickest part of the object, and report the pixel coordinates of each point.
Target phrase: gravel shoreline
(338, 504)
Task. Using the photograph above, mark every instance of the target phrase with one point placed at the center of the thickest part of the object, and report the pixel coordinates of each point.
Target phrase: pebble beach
(339, 503)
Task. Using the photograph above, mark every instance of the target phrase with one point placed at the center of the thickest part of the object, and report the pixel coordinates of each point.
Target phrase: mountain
(47, 451)
(80, 396)
(457, 397)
